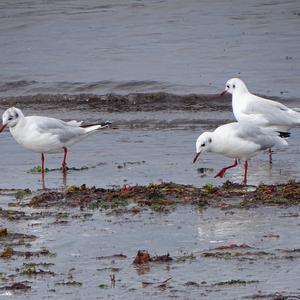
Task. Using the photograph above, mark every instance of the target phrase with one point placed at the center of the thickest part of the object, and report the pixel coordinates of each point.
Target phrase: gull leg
(65, 179)
(64, 163)
(270, 156)
(222, 172)
(245, 172)
(43, 164)
(43, 171)
(43, 183)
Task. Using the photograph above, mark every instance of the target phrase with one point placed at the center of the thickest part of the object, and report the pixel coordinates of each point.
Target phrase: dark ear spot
(17, 115)
(233, 86)
(209, 140)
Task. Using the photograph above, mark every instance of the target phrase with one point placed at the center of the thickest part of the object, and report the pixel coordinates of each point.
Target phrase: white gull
(238, 140)
(46, 135)
(260, 111)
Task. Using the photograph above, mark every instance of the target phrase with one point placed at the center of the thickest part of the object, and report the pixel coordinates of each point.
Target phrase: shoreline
(44, 237)
(165, 195)
(132, 102)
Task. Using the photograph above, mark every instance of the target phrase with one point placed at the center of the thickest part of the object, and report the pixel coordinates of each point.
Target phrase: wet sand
(89, 253)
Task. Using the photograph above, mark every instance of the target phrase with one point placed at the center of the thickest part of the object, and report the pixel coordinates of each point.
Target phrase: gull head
(234, 86)
(203, 144)
(11, 117)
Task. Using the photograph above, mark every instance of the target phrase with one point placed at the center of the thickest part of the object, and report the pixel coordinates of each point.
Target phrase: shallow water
(183, 231)
(140, 156)
(180, 47)
(122, 46)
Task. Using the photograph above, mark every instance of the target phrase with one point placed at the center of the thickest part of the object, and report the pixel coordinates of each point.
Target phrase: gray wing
(63, 130)
(273, 112)
(264, 138)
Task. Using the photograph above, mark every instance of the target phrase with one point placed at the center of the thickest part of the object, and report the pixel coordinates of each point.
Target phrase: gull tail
(283, 134)
(75, 123)
(92, 127)
(281, 141)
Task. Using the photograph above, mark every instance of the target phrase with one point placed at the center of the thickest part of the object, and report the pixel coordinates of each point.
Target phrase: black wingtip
(107, 123)
(104, 124)
(283, 134)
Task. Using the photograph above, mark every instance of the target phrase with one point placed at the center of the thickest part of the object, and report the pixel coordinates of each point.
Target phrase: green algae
(235, 281)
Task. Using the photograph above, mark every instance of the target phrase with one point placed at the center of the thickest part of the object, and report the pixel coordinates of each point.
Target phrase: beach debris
(160, 284)
(17, 286)
(38, 169)
(113, 257)
(103, 286)
(232, 246)
(237, 255)
(143, 257)
(185, 257)
(111, 269)
(69, 283)
(45, 199)
(112, 280)
(3, 232)
(20, 193)
(235, 281)
(7, 252)
(192, 283)
(29, 270)
(163, 197)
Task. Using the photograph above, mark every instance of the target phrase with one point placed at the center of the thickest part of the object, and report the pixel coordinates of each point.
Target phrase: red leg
(64, 163)
(222, 172)
(270, 156)
(43, 163)
(245, 172)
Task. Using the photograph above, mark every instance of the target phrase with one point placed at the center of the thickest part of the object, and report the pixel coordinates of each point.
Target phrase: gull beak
(224, 93)
(196, 157)
(2, 127)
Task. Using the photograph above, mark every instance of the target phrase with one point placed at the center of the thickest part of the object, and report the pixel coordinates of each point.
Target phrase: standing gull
(46, 135)
(260, 111)
(238, 140)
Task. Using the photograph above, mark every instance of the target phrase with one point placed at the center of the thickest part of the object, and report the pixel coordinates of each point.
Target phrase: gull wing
(271, 112)
(63, 131)
(264, 138)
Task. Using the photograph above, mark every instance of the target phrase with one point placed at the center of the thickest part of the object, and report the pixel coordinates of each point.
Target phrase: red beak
(224, 93)
(3, 127)
(196, 157)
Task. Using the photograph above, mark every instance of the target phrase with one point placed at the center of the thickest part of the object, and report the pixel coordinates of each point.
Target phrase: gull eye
(202, 145)
(227, 86)
(10, 118)
(233, 86)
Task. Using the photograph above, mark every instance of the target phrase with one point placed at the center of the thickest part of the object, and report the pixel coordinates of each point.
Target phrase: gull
(238, 140)
(260, 111)
(46, 135)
